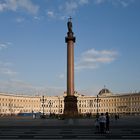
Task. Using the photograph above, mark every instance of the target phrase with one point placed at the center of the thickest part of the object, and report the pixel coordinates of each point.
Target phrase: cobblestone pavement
(28, 128)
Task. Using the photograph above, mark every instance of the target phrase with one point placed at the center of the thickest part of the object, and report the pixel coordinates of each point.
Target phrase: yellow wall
(13, 104)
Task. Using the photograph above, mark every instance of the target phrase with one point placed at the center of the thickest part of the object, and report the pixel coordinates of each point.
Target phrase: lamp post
(59, 106)
(130, 104)
(90, 105)
(10, 106)
(97, 100)
(43, 101)
(50, 105)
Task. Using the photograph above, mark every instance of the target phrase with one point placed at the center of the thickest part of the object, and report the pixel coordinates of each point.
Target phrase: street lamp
(10, 106)
(43, 101)
(97, 100)
(50, 105)
(59, 106)
(90, 105)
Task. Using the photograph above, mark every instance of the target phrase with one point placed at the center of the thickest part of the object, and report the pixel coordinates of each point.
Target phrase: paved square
(28, 128)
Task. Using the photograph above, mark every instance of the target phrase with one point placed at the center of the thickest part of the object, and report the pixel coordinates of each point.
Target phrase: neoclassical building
(105, 101)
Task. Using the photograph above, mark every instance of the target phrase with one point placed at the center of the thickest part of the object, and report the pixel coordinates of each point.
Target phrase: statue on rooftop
(69, 24)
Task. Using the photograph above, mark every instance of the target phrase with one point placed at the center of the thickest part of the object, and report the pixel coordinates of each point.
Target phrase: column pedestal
(70, 110)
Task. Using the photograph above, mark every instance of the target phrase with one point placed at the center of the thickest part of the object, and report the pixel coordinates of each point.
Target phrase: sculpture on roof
(69, 24)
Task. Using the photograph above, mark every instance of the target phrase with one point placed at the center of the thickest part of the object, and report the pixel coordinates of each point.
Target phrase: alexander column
(70, 107)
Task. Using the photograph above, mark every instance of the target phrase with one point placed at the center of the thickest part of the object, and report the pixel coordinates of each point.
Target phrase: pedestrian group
(102, 123)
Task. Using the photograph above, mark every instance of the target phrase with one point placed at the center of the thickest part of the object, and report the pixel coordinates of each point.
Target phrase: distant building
(105, 101)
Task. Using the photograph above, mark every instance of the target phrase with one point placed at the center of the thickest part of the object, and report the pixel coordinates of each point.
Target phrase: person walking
(115, 117)
(97, 126)
(107, 122)
(102, 121)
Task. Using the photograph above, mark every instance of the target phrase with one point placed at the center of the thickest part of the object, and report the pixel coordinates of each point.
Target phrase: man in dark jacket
(107, 122)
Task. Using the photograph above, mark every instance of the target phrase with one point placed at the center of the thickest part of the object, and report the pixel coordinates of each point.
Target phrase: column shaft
(70, 68)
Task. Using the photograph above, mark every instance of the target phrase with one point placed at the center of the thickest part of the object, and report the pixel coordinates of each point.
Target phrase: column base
(70, 107)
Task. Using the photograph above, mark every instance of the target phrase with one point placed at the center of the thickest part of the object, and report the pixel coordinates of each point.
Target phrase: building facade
(105, 101)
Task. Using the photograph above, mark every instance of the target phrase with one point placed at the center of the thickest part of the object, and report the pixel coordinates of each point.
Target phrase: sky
(33, 49)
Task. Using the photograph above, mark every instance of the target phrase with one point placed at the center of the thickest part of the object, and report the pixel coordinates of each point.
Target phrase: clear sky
(33, 48)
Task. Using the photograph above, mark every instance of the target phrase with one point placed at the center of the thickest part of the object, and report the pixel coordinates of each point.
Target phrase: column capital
(69, 38)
